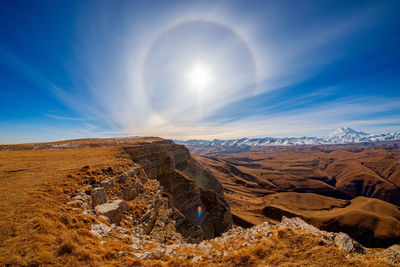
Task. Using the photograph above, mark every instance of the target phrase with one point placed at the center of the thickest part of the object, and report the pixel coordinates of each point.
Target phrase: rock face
(114, 210)
(340, 240)
(131, 191)
(191, 186)
(106, 184)
(98, 196)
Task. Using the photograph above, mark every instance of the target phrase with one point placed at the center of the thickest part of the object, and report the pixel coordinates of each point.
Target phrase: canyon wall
(202, 211)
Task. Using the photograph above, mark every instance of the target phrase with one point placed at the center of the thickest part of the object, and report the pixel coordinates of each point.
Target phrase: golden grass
(38, 228)
(286, 247)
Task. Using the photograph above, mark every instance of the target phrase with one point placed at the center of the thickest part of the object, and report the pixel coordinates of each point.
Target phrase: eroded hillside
(352, 188)
(140, 202)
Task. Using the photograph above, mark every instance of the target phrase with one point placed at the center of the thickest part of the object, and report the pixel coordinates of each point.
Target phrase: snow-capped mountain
(342, 135)
(346, 131)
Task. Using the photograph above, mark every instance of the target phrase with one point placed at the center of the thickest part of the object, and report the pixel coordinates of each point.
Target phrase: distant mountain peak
(343, 131)
(342, 135)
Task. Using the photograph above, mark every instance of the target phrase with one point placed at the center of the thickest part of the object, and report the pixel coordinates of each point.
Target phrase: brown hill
(93, 203)
(322, 177)
(368, 220)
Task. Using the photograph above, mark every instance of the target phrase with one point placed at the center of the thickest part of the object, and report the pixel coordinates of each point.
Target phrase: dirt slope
(321, 177)
(39, 227)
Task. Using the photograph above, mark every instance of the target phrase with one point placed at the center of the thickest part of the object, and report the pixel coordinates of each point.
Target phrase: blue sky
(197, 69)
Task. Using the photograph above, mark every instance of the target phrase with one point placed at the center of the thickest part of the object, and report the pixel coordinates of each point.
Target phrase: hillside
(136, 202)
(350, 188)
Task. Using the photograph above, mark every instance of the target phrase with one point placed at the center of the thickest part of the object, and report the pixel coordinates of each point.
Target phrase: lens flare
(200, 213)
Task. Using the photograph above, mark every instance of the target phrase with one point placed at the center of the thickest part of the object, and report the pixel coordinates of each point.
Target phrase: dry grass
(286, 247)
(38, 228)
(314, 179)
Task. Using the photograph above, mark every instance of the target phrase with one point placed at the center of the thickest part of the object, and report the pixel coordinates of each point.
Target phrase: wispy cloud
(275, 72)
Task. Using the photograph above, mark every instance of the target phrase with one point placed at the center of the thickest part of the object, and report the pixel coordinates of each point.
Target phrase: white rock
(101, 230)
(136, 243)
(297, 223)
(114, 210)
(343, 241)
(197, 258)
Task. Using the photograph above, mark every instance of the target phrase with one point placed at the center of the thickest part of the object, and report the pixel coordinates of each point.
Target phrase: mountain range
(342, 135)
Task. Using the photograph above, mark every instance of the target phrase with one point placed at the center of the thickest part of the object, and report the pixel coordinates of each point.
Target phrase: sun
(199, 76)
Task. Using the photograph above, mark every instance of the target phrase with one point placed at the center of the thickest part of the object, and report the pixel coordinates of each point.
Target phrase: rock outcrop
(191, 186)
(343, 241)
(190, 195)
(135, 211)
(98, 196)
(159, 223)
(114, 210)
(372, 222)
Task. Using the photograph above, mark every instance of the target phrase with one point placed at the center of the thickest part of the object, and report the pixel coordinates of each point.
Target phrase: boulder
(114, 210)
(343, 241)
(131, 191)
(153, 217)
(99, 196)
(392, 254)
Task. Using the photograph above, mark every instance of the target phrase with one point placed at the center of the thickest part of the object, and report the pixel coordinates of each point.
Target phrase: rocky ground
(128, 206)
(132, 208)
(137, 204)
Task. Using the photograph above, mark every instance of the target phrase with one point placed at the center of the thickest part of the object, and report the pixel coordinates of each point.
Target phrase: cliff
(191, 186)
(130, 201)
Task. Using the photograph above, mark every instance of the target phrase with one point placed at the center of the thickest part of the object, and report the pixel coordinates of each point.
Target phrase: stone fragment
(196, 258)
(101, 230)
(153, 217)
(105, 218)
(99, 196)
(114, 210)
(106, 184)
(89, 213)
(131, 191)
(136, 243)
(392, 254)
(343, 241)
(136, 171)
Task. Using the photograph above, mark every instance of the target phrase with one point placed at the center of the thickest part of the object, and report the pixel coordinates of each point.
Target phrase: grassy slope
(37, 227)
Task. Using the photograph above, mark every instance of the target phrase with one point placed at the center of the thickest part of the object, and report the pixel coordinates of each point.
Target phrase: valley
(349, 188)
(149, 202)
